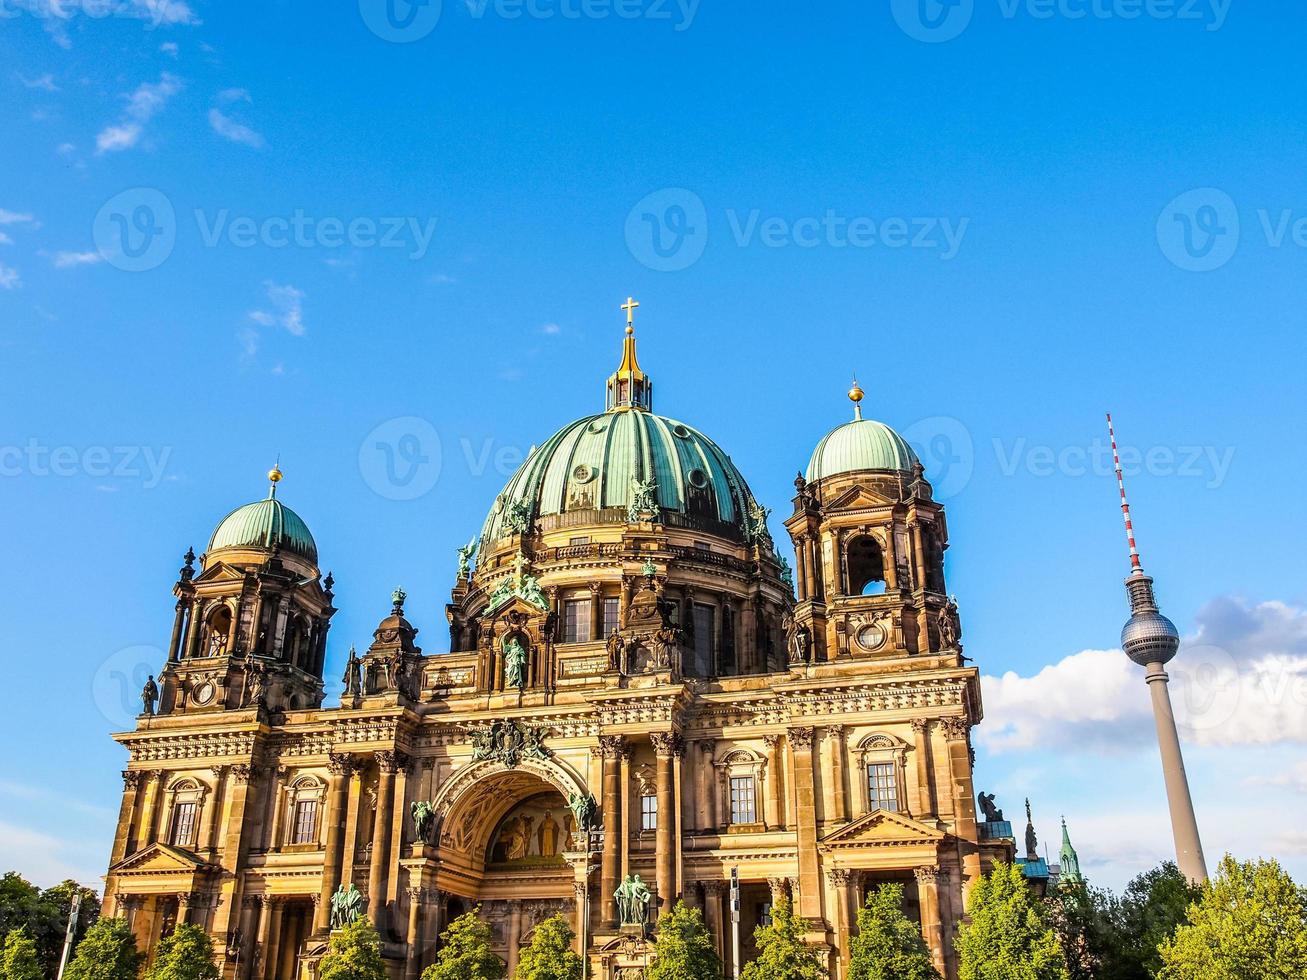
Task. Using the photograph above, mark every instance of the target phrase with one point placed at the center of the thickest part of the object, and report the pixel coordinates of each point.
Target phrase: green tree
(108, 952)
(465, 952)
(1134, 926)
(44, 915)
(185, 955)
(1008, 937)
(888, 945)
(1249, 923)
(683, 949)
(18, 961)
(550, 955)
(353, 953)
(782, 952)
(1081, 918)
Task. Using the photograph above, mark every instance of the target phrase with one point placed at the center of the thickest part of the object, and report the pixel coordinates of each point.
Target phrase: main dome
(265, 524)
(589, 472)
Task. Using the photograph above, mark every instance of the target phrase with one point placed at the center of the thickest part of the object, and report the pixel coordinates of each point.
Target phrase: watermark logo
(667, 231)
(136, 230)
(400, 21)
(400, 459)
(119, 680)
(1206, 688)
(933, 21)
(945, 448)
(1199, 230)
(135, 463)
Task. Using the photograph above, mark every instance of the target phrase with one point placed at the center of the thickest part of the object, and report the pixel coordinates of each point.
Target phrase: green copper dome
(265, 524)
(862, 444)
(595, 469)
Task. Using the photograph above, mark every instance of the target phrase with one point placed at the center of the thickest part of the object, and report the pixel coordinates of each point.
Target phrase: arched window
(186, 803)
(303, 808)
(884, 785)
(218, 629)
(865, 564)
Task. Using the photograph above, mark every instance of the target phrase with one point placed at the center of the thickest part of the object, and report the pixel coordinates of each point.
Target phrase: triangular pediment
(882, 827)
(517, 604)
(161, 859)
(221, 572)
(857, 497)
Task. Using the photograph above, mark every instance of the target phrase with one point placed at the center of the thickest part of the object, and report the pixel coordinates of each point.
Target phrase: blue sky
(234, 231)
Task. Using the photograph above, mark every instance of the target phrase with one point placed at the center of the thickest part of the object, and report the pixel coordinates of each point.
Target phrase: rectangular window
(612, 615)
(576, 621)
(882, 786)
(183, 824)
(702, 546)
(578, 541)
(306, 822)
(743, 809)
(704, 627)
(648, 813)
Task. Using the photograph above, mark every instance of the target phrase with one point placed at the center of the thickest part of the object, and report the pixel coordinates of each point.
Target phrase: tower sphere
(1150, 638)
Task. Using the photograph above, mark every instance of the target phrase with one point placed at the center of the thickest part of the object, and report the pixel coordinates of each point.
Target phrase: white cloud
(551, 329)
(44, 82)
(287, 312)
(9, 277)
(235, 131)
(170, 48)
(229, 95)
(14, 218)
(37, 857)
(1241, 679)
(69, 260)
(143, 104)
(5, 239)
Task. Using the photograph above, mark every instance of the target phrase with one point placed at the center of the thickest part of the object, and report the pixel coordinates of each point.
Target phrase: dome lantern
(628, 386)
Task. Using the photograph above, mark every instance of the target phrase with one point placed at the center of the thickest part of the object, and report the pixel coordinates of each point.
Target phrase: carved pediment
(162, 859)
(858, 497)
(220, 571)
(882, 828)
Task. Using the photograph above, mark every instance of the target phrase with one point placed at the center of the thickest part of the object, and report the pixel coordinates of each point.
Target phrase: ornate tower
(1151, 640)
(250, 629)
(869, 545)
(1069, 861)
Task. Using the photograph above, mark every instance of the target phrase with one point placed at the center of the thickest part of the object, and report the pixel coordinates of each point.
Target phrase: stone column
(514, 933)
(147, 833)
(414, 935)
(581, 925)
(800, 573)
(925, 782)
(610, 865)
(122, 839)
(956, 731)
(712, 913)
(340, 767)
(705, 785)
(777, 886)
(809, 905)
(175, 642)
(258, 952)
(932, 926)
(388, 764)
(771, 803)
(193, 630)
(273, 949)
(235, 846)
(837, 808)
(840, 884)
(665, 750)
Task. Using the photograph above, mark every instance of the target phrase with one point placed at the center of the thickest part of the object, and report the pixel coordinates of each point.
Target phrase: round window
(698, 478)
(598, 425)
(680, 431)
(872, 637)
(583, 473)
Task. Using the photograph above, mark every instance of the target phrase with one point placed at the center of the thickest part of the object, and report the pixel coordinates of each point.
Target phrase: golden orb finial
(856, 395)
(274, 477)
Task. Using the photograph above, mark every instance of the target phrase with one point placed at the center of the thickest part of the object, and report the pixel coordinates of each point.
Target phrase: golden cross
(630, 306)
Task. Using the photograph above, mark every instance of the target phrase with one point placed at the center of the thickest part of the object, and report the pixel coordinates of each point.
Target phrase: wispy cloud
(9, 277)
(70, 260)
(44, 82)
(143, 104)
(15, 218)
(285, 310)
(551, 329)
(237, 132)
(170, 48)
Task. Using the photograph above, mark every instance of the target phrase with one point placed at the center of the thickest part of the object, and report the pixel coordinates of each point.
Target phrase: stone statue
(633, 897)
(509, 742)
(149, 695)
(614, 647)
(514, 663)
(465, 556)
(518, 518)
(992, 813)
(424, 818)
(583, 809)
(758, 523)
(258, 678)
(346, 906)
(787, 573)
(1032, 839)
(533, 744)
(796, 639)
(353, 679)
(948, 625)
(644, 500)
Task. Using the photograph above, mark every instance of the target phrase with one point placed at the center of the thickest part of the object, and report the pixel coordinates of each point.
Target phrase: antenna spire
(1135, 566)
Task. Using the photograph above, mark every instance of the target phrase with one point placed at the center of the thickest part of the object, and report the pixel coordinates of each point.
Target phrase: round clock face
(205, 692)
(871, 637)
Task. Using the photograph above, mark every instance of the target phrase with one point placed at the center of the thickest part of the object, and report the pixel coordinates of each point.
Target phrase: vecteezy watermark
(35, 459)
(400, 21)
(406, 21)
(136, 230)
(1201, 230)
(154, 13)
(946, 451)
(936, 21)
(119, 680)
(401, 459)
(668, 230)
(1208, 463)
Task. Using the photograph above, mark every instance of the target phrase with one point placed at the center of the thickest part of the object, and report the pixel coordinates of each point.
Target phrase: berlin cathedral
(636, 682)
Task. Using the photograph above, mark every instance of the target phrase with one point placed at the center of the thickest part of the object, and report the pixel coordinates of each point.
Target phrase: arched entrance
(502, 835)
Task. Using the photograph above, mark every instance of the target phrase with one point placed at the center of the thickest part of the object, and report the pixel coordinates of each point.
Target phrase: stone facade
(816, 739)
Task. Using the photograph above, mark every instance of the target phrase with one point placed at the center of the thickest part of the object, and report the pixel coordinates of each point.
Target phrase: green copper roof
(862, 444)
(265, 524)
(593, 464)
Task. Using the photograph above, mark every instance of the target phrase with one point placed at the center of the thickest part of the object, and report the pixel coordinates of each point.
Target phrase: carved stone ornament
(801, 739)
(509, 742)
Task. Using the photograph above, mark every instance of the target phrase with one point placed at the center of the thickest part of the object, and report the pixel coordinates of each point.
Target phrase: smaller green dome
(265, 524)
(863, 444)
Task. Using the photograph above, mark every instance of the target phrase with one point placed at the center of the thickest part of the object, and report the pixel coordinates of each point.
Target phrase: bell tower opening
(865, 566)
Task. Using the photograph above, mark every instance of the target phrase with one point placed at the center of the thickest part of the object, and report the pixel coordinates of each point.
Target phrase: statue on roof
(149, 695)
(644, 500)
(465, 556)
(992, 813)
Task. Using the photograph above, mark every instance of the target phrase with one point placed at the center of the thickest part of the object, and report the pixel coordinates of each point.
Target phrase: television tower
(1151, 640)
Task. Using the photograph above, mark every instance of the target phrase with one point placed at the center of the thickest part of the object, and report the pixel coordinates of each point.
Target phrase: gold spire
(855, 395)
(629, 387)
(274, 477)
